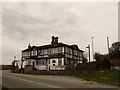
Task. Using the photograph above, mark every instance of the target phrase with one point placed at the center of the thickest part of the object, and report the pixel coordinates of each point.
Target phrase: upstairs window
(34, 53)
(39, 52)
(55, 50)
(45, 51)
(75, 52)
(60, 50)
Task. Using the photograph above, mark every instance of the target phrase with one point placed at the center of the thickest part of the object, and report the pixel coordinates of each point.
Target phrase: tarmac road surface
(15, 80)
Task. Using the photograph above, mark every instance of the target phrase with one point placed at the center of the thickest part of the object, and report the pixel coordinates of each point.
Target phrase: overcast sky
(72, 22)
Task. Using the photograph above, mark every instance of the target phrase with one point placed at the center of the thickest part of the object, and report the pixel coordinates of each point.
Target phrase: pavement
(15, 80)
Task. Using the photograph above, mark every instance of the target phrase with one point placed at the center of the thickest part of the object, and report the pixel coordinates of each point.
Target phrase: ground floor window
(65, 61)
(41, 62)
(59, 61)
(29, 62)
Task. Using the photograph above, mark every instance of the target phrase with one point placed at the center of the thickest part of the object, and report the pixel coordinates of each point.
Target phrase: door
(33, 65)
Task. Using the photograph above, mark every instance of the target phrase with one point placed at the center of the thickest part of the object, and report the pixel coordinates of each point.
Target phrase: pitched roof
(51, 46)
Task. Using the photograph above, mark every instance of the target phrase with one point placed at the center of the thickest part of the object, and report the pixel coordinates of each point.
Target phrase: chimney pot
(52, 42)
(29, 46)
(56, 40)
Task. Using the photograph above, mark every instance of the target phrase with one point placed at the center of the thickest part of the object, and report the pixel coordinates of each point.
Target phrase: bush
(15, 70)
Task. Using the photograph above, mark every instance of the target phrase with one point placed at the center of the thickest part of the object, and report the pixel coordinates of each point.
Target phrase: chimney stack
(29, 46)
(54, 40)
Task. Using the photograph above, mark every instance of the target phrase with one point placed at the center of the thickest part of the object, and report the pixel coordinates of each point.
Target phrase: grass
(102, 76)
(4, 88)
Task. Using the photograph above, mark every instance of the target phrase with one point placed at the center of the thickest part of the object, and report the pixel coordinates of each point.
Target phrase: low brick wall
(30, 70)
(37, 72)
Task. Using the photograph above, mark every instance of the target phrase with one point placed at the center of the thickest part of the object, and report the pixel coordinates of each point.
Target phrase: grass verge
(102, 76)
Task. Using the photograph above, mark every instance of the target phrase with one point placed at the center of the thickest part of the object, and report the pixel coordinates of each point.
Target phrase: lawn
(103, 76)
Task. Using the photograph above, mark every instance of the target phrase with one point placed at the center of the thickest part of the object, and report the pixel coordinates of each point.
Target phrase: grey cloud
(73, 23)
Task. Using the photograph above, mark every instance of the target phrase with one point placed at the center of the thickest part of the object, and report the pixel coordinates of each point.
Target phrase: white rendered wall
(56, 67)
(41, 67)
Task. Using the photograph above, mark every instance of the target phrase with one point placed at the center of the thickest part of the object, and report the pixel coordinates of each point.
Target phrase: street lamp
(92, 48)
(89, 58)
(108, 48)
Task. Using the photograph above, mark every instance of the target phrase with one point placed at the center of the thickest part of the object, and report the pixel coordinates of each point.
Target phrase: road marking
(52, 86)
(37, 82)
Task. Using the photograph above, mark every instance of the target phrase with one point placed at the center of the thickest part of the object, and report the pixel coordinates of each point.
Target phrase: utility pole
(108, 48)
(14, 60)
(89, 58)
(92, 48)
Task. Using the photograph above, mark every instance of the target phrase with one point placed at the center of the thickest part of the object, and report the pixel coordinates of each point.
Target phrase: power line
(35, 19)
(24, 15)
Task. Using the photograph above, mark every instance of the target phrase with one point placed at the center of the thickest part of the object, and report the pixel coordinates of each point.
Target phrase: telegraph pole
(14, 60)
(108, 48)
(89, 58)
(92, 48)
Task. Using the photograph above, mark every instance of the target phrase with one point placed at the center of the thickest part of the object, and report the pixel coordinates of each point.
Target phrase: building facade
(55, 56)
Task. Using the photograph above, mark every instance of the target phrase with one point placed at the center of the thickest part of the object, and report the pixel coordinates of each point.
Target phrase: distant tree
(102, 60)
(84, 58)
(115, 50)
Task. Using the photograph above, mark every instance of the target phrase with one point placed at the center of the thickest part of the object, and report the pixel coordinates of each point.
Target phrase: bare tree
(115, 50)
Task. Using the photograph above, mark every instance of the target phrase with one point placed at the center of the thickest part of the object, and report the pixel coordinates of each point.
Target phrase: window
(49, 51)
(39, 52)
(65, 50)
(34, 53)
(46, 55)
(42, 52)
(52, 50)
(75, 52)
(53, 64)
(60, 61)
(29, 62)
(28, 53)
(41, 62)
(45, 51)
(66, 55)
(55, 50)
(66, 61)
(60, 50)
(69, 50)
(81, 54)
(53, 61)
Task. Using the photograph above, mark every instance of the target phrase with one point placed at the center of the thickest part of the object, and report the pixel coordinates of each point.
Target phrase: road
(15, 80)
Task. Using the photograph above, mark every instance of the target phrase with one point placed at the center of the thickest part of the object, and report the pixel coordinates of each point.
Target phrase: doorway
(33, 63)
